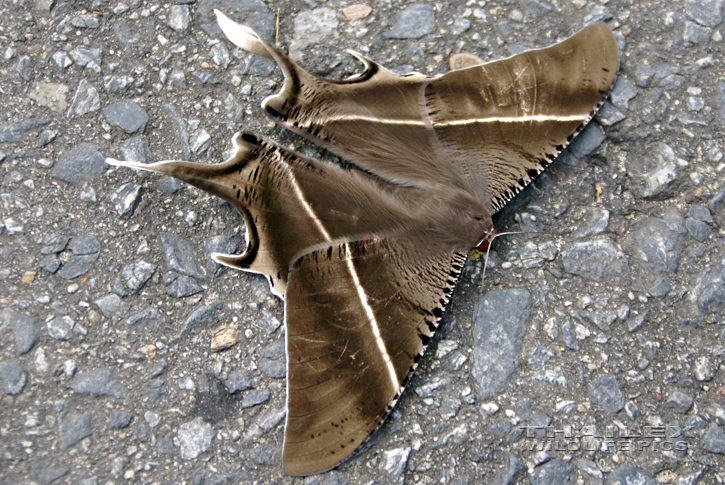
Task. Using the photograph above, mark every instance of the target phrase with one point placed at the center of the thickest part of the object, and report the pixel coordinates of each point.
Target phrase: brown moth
(366, 260)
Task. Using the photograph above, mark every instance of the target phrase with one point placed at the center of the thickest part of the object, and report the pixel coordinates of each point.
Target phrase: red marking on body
(486, 243)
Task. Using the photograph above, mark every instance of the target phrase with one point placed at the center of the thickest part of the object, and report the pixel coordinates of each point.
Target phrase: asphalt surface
(590, 352)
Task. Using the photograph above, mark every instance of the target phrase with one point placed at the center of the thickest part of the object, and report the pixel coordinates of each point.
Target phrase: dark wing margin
(505, 121)
(359, 316)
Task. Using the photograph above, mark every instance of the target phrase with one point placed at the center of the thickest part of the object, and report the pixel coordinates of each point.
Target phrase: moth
(366, 259)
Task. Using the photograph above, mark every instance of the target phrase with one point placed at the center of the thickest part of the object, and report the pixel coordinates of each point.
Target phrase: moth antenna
(489, 243)
(485, 259)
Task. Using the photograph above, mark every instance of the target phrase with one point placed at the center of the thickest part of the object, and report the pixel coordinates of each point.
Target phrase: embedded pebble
(53, 243)
(700, 213)
(151, 418)
(705, 12)
(255, 398)
(179, 18)
(25, 330)
(705, 368)
(623, 91)
(178, 78)
(179, 255)
(50, 263)
(88, 195)
(679, 401)
(429, 388)
(81, 163)
(394, 463)
(117, 83)
(49, 475)
(85, 244)
(136, 274)
(178, 128)
(275, 350)
(660, 288)
(60, 328)
(312, 27)
(498, 329)
(268, 322)
(98, 382)
(539, 357)
(20, 72)
(223, 338)
(135, 149)
(85, 100)
(595, 221)
(626, 474)
(52, 95)
(356, 12)
(609, 115)
(413, 22)
(714, 439)
(602, 320)
(264, 454)
(604, 391)
(632, 410)
(125, 199)
(127, 115)
(73, 428)
(76, 266)
(220, 55)
(554, 471)
(513, 467)
(182, 286)
(13, 377)
(272, 368)
(90, 58)
(146, 317)
(17, 131)
(200, 141)
(62, 60)
(203, 315)
(635, 322)
(194, 438)
(13, 226)
(657, 172)
(596, 260)
(110, 305)
(657, 243)
(698, 230)
(588, 467)
(239, 380)
(170, 185)
(120, 419)
(668, 77)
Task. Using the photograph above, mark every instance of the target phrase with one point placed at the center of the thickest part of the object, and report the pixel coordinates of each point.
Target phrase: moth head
(487, 241)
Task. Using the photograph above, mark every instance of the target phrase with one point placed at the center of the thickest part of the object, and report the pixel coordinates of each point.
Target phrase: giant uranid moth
(366, 260)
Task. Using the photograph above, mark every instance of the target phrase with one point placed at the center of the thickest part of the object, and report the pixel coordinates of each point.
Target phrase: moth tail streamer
(210, 178)
(243, 37)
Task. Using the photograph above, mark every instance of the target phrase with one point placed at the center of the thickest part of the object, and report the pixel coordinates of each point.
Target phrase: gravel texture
(591, 352)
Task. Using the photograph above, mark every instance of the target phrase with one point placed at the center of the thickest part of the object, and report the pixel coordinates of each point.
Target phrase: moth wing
(358, 315)
(375, 119)
(486, 129)
(503, 122)
(290, 204)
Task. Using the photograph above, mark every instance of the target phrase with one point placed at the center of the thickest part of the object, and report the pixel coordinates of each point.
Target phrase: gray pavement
(128, 356)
